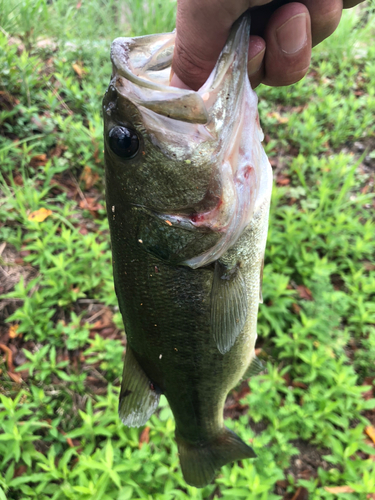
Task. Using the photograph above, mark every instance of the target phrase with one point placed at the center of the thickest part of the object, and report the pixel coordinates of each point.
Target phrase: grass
(61, 334)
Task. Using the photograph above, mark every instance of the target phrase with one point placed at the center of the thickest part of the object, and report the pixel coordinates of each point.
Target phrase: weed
(60, 329)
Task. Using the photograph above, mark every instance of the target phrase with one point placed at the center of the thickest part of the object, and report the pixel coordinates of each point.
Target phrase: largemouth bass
(188, 189)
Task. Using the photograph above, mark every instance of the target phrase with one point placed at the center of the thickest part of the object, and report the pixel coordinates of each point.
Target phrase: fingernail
(292, 35)
(255, 63)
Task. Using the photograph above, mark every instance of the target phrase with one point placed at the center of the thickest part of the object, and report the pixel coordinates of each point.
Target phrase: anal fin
(138, 397)
(228, 305)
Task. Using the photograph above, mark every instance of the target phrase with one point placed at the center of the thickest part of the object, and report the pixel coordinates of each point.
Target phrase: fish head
(157, 150)
(194, 156)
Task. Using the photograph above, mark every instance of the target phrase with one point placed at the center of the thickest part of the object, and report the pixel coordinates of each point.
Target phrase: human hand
(282, 35)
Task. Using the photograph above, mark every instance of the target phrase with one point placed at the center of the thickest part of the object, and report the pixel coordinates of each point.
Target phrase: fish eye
(124, 142)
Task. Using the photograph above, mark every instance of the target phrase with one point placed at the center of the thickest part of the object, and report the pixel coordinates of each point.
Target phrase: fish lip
(120, 51)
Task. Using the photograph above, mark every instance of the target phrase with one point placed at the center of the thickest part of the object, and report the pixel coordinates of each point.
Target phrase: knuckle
(283, 79)
(188, 66)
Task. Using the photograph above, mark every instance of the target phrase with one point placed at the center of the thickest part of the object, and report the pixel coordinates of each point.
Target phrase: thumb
(202, 30)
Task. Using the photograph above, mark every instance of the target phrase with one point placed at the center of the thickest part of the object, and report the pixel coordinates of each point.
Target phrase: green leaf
(109, 453)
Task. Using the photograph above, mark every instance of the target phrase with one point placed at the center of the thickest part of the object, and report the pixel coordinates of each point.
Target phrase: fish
(188, 188)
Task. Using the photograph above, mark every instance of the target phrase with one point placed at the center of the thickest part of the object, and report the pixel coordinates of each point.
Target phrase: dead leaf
(370, 431)
(281, 180)
(282, 483)
(298, 109)
(38, 122)
(15, 377)
(38, 160)
(301, 494)
(296, 308)
(305, 474)
(46, 44)
(40, 215)
(70, 442)
(293, 150)
(13, 40)
(339, 489)
(20, 471)
(275, 162)
(13, 331)
(144, 437)
(369, 266)
(96, 153)
(79, 69)
(91, 205)
(104, 316)
(301, 385)
(370, 443)
(304, 292)
(9, 357)
(57, 150)
(243, 392)
(18, 179)
(89, 177)
(7, 101)
(278, 117)
(107, 332)
(367, 394)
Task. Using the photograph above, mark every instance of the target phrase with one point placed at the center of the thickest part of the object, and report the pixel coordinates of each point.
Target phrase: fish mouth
(143, 64)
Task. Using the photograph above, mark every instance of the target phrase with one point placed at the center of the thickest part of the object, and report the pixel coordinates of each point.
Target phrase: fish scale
(188, 189)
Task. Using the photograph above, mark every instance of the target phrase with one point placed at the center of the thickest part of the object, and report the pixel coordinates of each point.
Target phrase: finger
(288, 42)
(348, 4)
(255, 65)
(325, 16)
(202, 30)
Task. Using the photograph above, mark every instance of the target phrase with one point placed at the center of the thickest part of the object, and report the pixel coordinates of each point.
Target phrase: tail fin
(200, 461)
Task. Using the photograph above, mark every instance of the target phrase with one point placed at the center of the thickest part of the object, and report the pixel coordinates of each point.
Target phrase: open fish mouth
(223, 112)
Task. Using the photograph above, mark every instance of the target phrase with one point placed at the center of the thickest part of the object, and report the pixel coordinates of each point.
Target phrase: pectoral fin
(138, 397)
(228, 305)
(255, 367)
